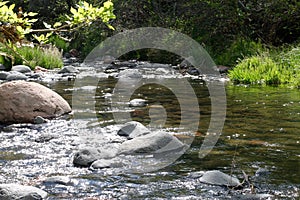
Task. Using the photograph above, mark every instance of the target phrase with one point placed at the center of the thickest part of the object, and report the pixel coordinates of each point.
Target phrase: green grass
(275, 68)
(47, 57)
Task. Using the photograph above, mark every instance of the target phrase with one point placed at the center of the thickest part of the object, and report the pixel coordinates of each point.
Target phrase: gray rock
(15, 191)
(262, 172)
(137, 102)
(3, 75)
(21, 68)
(133, 129)
(217, 177)
(22, 101)
(156, 143)
(2, 67)
(106, 163)
(14, 76)
(62, 180)
(85, 157)
(39, 120)
(68, 70)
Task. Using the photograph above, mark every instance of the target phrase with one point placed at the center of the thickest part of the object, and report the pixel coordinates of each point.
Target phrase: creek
(261, 130)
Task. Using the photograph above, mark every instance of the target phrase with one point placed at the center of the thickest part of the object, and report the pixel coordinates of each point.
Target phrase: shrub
(238, 50)
(275, 69)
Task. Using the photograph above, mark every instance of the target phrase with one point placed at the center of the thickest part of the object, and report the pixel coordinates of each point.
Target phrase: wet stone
(156, 143)
(217, 177)
(137, 102)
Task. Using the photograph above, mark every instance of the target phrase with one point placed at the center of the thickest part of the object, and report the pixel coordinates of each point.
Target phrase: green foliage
(259, 69)
(13, 27)
(280, 68)
(48, 57)
(238, 50)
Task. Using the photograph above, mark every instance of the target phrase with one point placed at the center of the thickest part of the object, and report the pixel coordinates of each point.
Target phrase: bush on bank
(269, 68)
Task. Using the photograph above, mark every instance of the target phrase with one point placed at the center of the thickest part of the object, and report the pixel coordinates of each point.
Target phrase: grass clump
(276, 69)
(48, 57)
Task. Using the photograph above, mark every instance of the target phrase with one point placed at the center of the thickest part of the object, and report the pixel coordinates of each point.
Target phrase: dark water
(261, 131)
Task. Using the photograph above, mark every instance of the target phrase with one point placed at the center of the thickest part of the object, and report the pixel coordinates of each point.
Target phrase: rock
(15, 191)
(137, 102)
(85, 157)
(262, 172)
(3, 75)
(156, 142)
(133, 129)
(62, 180)
(68, 70)
(222, 69)
(22, 101)
(39, 120)
(193, 71)
(16, 76)
(40, 69)
(217, 177)
(21, 68)
(2, 67)
(106, 163)
(130, 73)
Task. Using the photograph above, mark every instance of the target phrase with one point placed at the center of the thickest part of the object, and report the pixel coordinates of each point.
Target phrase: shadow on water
(261, 131)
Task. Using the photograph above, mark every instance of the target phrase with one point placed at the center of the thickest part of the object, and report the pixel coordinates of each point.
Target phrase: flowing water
(261, 131)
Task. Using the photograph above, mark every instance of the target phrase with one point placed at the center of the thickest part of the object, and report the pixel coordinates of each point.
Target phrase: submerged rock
(133, 129)
(217, 177)
(22, 101)
(15, 191)
(62, 180)
(157, 142)
(137, 102)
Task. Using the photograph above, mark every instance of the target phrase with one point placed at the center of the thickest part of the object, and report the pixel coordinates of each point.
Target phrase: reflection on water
(261, 130)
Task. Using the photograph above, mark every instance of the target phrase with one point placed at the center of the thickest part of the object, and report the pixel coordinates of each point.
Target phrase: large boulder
(22, 101)
(15, 191)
